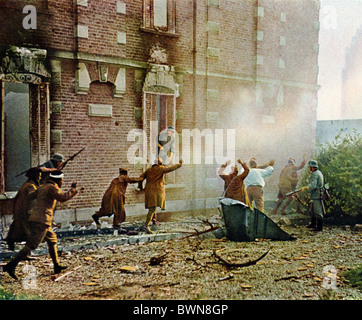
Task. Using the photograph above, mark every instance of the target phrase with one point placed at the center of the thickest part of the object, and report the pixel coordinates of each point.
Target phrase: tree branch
(237, 265)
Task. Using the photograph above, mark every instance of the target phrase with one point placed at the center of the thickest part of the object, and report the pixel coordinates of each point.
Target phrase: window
(24, 130)
(159, 113)
(159, 16)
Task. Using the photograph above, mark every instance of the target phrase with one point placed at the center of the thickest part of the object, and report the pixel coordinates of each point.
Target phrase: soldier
(41, 220)
(255, 183)
(316, 191)
(155, 194)
(234, 183)
(53, 164)
(114, 199)
(288, 181)
(19, 228)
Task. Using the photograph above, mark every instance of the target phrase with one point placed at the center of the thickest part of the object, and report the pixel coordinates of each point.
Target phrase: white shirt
(256, 176)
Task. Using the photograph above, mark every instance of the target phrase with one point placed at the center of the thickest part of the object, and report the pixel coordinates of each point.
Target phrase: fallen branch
(237, 265)
(161, 284)
(197, 232)
(65, 274)
(293, 277)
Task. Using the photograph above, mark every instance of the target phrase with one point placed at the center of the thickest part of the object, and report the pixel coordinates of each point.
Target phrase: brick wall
(240, 84)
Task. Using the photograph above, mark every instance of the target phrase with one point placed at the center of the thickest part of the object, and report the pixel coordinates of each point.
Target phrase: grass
(354, 277)
(7, 295)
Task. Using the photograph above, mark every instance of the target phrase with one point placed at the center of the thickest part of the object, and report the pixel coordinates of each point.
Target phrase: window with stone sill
(159, 16)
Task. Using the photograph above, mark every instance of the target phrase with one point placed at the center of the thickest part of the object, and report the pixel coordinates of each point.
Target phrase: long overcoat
(19, 228)
(113, 201)
(155, 194)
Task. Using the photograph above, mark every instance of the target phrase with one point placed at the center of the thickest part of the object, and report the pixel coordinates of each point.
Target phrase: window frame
(39, 119)
(148, 18)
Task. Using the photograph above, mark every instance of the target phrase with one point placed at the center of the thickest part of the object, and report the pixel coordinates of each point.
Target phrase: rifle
(61, 167)
(293, 192)
(70, 159)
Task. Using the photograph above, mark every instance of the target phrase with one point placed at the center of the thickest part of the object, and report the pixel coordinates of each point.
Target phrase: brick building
(99, 74)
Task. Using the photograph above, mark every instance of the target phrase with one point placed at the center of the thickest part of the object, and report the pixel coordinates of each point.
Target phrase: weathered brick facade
(244, 65)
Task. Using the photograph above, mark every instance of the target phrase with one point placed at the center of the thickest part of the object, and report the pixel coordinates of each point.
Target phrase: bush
(340, 162)
(354, 277)
(8, 295)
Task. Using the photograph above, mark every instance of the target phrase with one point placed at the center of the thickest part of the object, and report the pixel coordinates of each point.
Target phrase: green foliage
(340, 162)
(6, 295)
(354, 277)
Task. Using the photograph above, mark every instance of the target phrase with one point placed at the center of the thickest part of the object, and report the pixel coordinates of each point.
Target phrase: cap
(171, 128)
(291, 161)
(123, 170)
(57, 157)
(313, 163)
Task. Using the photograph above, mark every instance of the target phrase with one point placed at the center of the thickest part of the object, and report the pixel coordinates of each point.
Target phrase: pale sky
(339, 22)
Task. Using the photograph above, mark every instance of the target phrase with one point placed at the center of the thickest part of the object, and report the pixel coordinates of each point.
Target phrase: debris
(245, 286)
(237, 265)
(128, 268)
(230, 276)
(155, 261)
(161, 284)
(65, 274)
(302, 269)
(197, 233)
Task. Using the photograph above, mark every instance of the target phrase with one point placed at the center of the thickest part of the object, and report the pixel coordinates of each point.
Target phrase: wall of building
(240, 83)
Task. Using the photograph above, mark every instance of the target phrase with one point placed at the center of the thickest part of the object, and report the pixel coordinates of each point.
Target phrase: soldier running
(41, 221)
(19, 228)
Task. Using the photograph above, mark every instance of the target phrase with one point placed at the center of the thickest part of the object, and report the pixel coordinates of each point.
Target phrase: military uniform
(40, 221)
(288, 181)
(19, 229)
(316, 193)
(155, 193)
(315, 187)
(113, 200)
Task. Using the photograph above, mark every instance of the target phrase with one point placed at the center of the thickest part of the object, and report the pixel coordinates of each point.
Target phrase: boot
(319, 226)
(11, 245)
(96, 219)
(148, 221)
(58, 268)
(313, 223)
(53, 252)
(11, 266)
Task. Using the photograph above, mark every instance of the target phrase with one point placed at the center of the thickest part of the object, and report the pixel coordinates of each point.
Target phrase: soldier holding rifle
(316, 188)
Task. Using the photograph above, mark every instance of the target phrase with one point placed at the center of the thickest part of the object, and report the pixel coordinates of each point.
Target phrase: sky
(339, 22)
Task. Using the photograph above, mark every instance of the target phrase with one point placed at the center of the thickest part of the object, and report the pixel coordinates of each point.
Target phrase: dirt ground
(309, 268)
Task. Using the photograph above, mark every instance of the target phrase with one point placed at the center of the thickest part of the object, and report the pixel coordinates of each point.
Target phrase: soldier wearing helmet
(52, 165)
(315, 186)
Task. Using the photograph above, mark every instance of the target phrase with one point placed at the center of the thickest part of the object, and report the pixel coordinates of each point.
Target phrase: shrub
(340, 162)
(354, 277)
